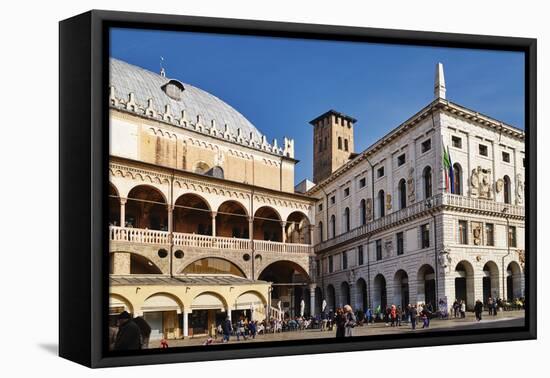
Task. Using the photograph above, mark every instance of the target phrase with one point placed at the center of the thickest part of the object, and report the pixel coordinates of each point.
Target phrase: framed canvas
(235, 188)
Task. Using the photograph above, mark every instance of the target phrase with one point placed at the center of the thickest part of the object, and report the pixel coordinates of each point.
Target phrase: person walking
(413, 314)
(340, 322)
(399, 317)
(226, 329)
(324, 321)
(240, 329)
(350, 321)
(490, 305)
(425, 314)
(462, 309)
(478, 309)
(129, 335)
(393, 315)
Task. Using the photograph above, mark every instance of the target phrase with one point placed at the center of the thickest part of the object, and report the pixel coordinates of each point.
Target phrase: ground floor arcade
(465, 280)
(190, 306)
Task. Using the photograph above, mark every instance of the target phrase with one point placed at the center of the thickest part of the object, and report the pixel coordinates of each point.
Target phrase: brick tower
(332, 143)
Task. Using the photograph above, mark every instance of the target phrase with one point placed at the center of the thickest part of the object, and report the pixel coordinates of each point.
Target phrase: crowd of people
(133, 333)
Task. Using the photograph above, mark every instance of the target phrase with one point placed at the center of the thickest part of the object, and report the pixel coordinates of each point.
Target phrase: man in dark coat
(478, 309)
(129, 334)
(226, 329)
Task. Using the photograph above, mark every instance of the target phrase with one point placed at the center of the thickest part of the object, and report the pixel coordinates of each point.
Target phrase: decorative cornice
(131, 106)
(437, 104)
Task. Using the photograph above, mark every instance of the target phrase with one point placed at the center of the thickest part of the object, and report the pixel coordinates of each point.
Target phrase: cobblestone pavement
(503, 319)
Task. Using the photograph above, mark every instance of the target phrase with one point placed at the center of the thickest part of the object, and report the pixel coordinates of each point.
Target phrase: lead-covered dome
(126, 78)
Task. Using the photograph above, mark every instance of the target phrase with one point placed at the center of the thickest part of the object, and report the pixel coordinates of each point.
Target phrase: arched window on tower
(339, 143)
(402, 194)
(346, 147)
(427, 178)
(507, 190)
(457, 176)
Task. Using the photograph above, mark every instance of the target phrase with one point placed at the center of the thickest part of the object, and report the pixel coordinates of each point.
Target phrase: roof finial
(439, 87)
(162, 71)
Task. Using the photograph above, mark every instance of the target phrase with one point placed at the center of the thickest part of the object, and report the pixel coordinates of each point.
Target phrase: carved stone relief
(480, 183)
(476, 232)
(369, 209)
(520, 188)
(410, 186)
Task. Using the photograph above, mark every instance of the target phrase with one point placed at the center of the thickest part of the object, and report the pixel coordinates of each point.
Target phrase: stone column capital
(123, 200)
(213, 214)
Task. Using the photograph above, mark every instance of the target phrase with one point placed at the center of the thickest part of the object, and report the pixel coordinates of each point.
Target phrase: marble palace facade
(205, 221)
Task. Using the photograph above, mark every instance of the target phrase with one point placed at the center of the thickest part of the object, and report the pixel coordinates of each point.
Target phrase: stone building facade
(204, 222)
(392, 229)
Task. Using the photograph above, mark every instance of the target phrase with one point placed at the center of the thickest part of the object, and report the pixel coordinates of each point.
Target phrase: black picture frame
(83, 181)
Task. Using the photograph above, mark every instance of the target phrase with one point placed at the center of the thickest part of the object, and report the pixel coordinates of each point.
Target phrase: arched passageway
(345, 297)
(330, 298)
(146, 207)
(464, 283)
(232, 220)
(490, 281)
(289, 285)
(401, 289)
(361, 293)
(297, 229)
(425, 292)
(192, 215)
(268, 225)
(379, 292)
(513, 281)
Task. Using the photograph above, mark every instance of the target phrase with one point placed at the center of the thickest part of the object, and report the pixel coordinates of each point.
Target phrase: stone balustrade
(144, 236)
(442, 200)
(138, 235)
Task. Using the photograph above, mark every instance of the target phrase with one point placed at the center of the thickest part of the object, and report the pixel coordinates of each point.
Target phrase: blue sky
(280, 84)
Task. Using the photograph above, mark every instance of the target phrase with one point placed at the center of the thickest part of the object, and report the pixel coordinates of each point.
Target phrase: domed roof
(126, 78)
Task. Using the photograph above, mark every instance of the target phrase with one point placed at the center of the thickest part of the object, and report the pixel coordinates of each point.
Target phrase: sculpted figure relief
(480, 182)
(388, 201)
(499, 185)
(410, 186)
(520, 188)
(369, 209)
(388, 244)
(476, 231)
